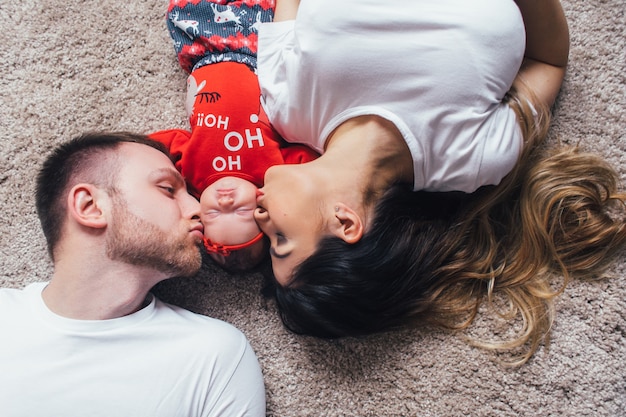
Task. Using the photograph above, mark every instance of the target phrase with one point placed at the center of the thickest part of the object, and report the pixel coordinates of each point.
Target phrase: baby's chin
(244, 259)
(229, 241)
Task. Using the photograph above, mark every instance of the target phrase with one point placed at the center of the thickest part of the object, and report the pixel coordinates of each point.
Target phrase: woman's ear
(348, 225)
(85, 205)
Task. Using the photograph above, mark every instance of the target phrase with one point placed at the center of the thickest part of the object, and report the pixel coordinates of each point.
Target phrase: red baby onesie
(230, 133)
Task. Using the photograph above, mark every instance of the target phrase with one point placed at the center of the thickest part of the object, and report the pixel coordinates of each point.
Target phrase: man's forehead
(146, 153)
(145, 162)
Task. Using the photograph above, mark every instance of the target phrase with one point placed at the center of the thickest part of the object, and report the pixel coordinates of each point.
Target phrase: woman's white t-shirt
(437, 69)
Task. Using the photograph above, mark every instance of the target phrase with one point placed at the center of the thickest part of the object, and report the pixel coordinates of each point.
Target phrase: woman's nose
(260, 214)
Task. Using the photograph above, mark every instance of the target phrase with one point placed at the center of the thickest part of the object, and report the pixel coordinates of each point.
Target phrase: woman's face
(289, 214)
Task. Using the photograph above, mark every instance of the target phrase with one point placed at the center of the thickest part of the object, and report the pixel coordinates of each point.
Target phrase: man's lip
(198, 230)
(259, 196)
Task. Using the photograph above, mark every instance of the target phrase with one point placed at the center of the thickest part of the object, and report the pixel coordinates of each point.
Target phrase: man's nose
(191, 207)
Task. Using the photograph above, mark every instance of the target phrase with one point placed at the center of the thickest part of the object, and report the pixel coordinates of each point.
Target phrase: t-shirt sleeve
(276, 58)
(244, 394)
(502, 147)
(176, 141)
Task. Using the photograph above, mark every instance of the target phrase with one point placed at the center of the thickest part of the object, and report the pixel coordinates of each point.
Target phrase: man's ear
(85, 205)
(347, 225)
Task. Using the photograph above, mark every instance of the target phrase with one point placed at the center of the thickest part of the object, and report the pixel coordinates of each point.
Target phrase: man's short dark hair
(86, 158)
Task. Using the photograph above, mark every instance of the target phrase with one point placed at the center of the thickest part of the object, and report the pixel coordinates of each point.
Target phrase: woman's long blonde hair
(557, 215)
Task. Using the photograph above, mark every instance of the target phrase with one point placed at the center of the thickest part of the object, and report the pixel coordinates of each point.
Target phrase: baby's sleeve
(298, 154)
(176, 141)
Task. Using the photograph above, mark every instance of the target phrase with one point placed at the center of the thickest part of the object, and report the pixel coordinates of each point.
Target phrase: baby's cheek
(204, 219)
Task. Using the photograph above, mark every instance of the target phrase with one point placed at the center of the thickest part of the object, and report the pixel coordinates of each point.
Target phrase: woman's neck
(372, 150)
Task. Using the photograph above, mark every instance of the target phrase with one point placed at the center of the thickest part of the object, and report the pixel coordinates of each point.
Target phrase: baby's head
(233, 238)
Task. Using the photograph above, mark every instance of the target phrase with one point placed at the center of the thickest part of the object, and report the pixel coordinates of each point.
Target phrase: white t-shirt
(160, 361)
(437, 69)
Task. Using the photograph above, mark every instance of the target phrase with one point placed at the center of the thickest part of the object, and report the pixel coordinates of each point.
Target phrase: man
(93, 341)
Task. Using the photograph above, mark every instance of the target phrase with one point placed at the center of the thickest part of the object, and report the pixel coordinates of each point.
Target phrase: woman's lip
(259, 196)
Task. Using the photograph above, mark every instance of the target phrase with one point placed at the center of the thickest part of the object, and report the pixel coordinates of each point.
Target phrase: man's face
(154, 221)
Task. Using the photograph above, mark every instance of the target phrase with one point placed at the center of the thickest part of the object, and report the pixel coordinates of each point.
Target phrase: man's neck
(96, 294)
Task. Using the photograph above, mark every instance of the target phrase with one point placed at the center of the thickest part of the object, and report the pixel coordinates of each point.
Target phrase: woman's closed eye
(281, 249)
(280, 239)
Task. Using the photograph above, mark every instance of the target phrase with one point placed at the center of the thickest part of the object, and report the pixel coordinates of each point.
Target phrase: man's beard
(138, 242)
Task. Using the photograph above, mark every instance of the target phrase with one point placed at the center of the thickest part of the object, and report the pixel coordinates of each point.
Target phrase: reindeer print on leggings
(206, 32)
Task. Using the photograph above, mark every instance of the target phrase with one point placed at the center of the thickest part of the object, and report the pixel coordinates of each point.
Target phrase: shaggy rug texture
(74, 66)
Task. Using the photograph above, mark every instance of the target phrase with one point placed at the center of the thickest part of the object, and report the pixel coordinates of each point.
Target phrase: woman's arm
(547, 49)
(286, 10)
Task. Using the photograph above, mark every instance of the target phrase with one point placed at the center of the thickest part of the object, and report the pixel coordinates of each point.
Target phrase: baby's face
(227, 207)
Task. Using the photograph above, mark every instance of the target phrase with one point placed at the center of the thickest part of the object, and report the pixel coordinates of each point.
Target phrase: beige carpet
(71, 66)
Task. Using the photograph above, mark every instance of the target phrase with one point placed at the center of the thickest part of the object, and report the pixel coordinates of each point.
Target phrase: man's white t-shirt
(437, 69)
(160, 361)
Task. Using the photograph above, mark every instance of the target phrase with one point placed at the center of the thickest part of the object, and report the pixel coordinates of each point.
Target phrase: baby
(231, 142)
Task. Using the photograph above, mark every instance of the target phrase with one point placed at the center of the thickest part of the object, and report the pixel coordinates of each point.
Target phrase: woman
(430, 194)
